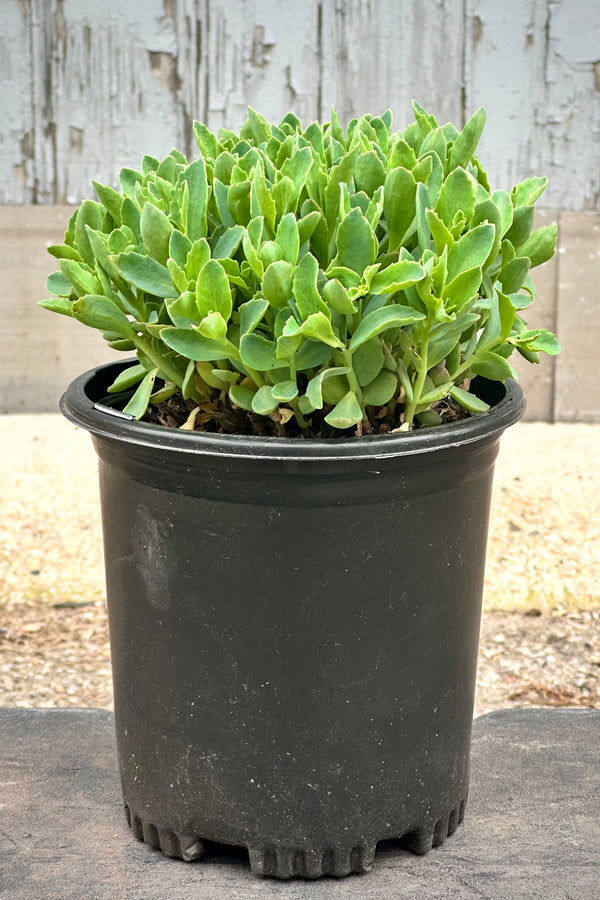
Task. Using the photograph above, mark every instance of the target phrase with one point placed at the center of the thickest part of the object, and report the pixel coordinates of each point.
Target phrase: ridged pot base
(300, 862)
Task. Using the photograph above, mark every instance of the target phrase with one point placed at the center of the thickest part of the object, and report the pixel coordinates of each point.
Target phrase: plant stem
(411, 406)
(354, 385)
(165, 369)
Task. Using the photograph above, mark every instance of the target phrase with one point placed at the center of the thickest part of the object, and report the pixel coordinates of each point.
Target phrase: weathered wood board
(87, 87)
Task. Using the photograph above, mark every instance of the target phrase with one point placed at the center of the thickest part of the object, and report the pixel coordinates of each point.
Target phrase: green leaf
(241, 396)
(346, 413)
(312, 354)
(146, 274)
(396, 277)
(100, 312)
(457, 195)
(304, 286)
(442, 236)
(138, 404)
(463, 288)
(58, 284)
(468, 401)
(528, 191)
(197, 258)
(89, 213)
(317, 327)
(336, 296)
(207, 142)
(314, 388)
(471, 250)
(490, 365)
(522, 224)
(213, 293)
(367, 361)
(381, 390)
(369, 172)
(356, 243)
(58, 305)
(263, 402)
(127, 378)
(382, 320)
(195, 177)
(110, 199)
(503, 203)
(179, 247)
(399, 197)
(193, 345)
(156, 231)
(285, 391)
(178, 276)
(259, 353)
(183, 311)
(540, 244)
(288, 238)
(466, 142)
(277, 283)
(251, 314)
(538, 339)
(214, 327)
(514, 274)
(228, 242)
(261, 201)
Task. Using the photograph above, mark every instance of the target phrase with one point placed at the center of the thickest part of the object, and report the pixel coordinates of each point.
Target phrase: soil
(219, 417)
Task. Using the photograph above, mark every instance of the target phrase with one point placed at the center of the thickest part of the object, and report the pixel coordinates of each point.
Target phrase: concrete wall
(87, 86)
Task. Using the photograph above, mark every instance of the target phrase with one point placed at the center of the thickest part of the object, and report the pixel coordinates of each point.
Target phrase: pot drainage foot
(284, 862)
(422, 840)
(182, 846)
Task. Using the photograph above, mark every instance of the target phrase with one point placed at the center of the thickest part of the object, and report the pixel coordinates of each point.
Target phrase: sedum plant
(328, 280)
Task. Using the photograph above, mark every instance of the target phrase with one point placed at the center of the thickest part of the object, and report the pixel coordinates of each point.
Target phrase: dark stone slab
(532, 828)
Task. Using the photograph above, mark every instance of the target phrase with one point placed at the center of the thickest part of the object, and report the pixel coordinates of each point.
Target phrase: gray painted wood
(89, 86)
(577, 395)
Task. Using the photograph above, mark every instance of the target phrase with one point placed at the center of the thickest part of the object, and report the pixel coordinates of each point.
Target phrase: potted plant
(295, 474)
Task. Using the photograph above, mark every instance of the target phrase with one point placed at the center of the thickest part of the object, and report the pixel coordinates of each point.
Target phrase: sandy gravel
(541, 629)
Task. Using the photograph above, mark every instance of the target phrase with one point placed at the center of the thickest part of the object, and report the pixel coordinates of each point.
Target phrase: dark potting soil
(218, 417)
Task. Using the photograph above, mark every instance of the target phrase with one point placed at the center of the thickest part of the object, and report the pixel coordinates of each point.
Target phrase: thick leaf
(179, 247)
(471, 250)
(442, 236)
(514, 273)
(457, 195)
(146, 274)
(263, 402)
(503, 203)
(214, 327)
(100, 312)
(379, 391)
(468, 401)
(89, 213)
(193, 345)
(228, 243)
(110, 199)
(58, 305)
(369, 172)
(538, 340)
(539, 246)
(156, 231)
(251, 314)
(462, 288)
(183, 311)
(82, 280)
(314, 388)
(312, 354)
(491, 365)
(346, 413)
(382, 320)
(336, 296)
(197, 258)
(195, 177)
(396, 277)
(317, 327)
(305, 286)
(241, 396)
(127, 378)
(285, 391)
(467, 140)
(288, 238)
(356, 243)
(367, 361)
(259, 353)
(399, 196)
(58, 284)
(277, 283)
(261, 201)
(526, 193)
(178, 276)
(138, 404)
(213, 293)
(522, 224)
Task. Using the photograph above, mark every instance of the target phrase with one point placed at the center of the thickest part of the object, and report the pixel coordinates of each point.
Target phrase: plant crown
(289, 270)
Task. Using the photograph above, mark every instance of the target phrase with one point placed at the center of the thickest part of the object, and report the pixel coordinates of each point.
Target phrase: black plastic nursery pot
(294, 629)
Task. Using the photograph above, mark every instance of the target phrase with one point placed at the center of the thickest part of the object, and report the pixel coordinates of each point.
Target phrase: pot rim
(82, 404)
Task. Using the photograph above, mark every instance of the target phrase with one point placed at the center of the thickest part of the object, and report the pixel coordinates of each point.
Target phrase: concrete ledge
(532, 827)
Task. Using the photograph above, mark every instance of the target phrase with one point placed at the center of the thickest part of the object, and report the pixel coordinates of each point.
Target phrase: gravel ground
(541, 626)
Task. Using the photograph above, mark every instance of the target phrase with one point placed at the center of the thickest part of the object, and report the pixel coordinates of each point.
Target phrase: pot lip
(82, 405)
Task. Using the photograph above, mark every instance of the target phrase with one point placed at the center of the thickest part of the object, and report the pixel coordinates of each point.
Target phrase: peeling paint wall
(87, 86)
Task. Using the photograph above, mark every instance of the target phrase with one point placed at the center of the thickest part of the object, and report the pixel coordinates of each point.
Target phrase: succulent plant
(310, 275)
